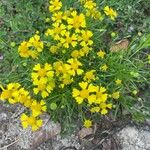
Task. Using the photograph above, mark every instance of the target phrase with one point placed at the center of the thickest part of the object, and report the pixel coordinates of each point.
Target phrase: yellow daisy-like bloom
(101, 95)
(101, 54)
(61, 68)
(74, 67)
(84, 51)
(35, 45)
(104, 67)
(10, 93)
(39, 72)
(87, 123)
(57, 31)
(110, 12)
(91, 9)
(23, 50)
(104, 108)
(89, 76)
(31, 48)
(55, 5)
(80, 53)
(116, 95)
(54, 49)
(31, 121)
(35, 42)
(23, 97)
(89, 4)
(118, 82)
(38, 108)
(85, 38)
(58, 67)
(67, 13)
(43, 85)
(76, 21)
(95, 109)
(68, 40)
(75, 54)
(66, 80)
(58, 17)
(94, 13)
(84, 93)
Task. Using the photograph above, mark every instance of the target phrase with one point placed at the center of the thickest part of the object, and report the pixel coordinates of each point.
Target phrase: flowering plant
(71, 70)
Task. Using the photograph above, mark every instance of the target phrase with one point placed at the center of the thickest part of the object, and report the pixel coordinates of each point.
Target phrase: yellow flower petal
(104, 111)
(83, 85)
(91, 99)
(75, 92)
(24, 124)
(79, 100)
(87, 123)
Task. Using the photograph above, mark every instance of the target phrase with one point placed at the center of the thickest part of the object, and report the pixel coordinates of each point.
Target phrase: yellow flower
(94, 13)
(23, 50)
(74, 67)
(118, 82)
(31, 121)
(110, 12)
(64, 71)
(90, 4)
(61, 68)
(38, 108)
(116, 95)
(85, 38)
(36, 43)
(91, 9)
(101, 95)
(87, 123)
(58, 17)
(76, 21)
(75, 54)
(66, 80)
(103, 107)
(54, 49)
(55, 5)
(57, 31)
(45, 71)
(89, 76)
(23, 97)
(84, 51)
(84, 93)
(104, 67)
(10, 93)
(68, 40)
(101, 54)
(31, 48)
(43, 85)
(95, 109)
